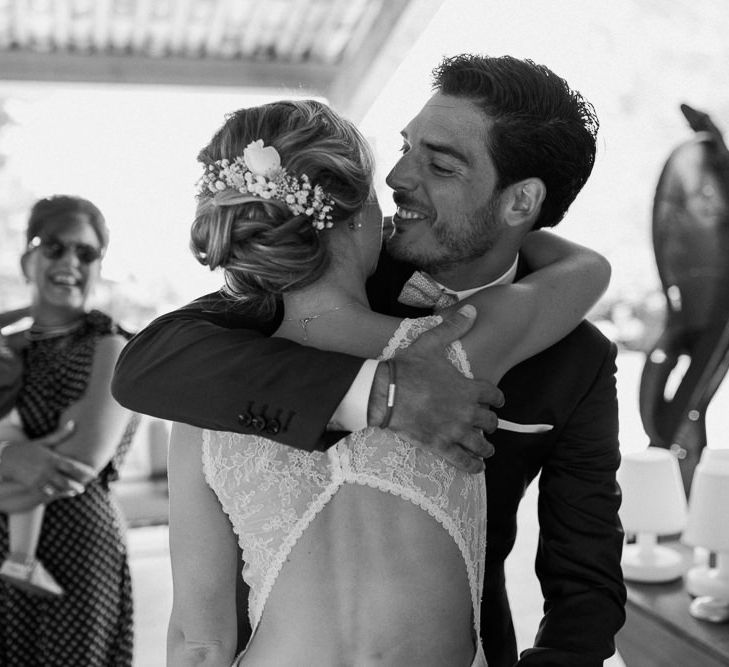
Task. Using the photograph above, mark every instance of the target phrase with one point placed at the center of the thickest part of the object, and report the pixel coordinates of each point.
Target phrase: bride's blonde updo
(263, 248)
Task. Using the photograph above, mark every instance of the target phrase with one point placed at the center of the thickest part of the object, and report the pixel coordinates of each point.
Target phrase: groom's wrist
(351, 413)
(377, 404)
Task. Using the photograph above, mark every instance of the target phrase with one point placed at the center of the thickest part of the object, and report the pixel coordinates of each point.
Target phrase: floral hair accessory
(258, 172)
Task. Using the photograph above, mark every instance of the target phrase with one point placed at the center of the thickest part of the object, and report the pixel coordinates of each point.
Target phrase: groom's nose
(402, 176)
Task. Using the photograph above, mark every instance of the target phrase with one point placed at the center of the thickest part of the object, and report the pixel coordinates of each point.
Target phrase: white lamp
(708, 527)
(702, 556)
(654, 503)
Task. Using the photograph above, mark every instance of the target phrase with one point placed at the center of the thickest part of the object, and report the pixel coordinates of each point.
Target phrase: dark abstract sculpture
(691, 244)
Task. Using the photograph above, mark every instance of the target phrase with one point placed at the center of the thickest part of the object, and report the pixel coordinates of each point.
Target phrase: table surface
(661, 611)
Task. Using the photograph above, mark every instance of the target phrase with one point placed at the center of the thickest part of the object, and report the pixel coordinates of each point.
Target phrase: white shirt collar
(505, 278)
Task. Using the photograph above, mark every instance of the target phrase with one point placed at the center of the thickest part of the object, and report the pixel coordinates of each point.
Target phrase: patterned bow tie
(422, 291)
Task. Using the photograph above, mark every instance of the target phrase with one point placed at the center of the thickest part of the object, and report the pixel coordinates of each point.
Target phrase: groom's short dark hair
(541, 127)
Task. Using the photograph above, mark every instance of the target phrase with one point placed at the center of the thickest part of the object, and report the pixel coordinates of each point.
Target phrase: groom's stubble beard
(459, 240)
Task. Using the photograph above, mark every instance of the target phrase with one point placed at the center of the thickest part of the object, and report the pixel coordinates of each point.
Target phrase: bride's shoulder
(408, 331)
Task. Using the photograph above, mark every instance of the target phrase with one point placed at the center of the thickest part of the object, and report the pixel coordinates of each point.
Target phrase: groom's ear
(523, 201)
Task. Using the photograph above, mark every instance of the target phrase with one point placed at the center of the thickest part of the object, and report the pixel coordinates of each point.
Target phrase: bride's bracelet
(391, 387)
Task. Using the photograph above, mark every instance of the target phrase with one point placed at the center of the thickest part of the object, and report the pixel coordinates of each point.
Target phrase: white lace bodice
(272, 492)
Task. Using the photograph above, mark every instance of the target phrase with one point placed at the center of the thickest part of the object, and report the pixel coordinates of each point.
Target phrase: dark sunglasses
(55, 249)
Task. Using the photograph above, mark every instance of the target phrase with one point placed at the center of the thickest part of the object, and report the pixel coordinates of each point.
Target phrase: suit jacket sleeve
(578, 558)
(195, 367)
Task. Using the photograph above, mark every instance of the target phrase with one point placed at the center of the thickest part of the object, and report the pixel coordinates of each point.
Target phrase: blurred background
(112, 99)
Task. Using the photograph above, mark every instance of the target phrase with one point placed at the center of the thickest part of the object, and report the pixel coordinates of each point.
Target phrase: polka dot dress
(82, 542)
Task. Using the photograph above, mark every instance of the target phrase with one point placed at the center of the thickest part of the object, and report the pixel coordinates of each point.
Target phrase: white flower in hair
(258, 172)
(264, 162)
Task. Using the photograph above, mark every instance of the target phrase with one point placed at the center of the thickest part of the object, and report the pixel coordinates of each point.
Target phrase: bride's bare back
(374, 580)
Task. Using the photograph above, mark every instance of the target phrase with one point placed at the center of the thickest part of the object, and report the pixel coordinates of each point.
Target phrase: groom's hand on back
(434, 403)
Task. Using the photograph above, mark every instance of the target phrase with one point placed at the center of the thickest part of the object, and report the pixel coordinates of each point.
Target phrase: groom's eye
(441, 170)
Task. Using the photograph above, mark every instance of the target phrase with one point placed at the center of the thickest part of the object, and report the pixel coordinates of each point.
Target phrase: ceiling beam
(370, 61)
(373, 37)
(304, 78)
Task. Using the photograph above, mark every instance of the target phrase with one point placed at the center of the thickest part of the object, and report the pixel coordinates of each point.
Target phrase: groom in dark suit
(491, 123)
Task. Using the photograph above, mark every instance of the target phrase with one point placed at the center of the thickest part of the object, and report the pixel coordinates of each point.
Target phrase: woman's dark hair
(540, 126)
(65, 208)
(263, 248)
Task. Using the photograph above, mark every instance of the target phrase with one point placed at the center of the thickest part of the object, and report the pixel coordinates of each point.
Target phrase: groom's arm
(210, 369)
(578, 559)
(184, 367)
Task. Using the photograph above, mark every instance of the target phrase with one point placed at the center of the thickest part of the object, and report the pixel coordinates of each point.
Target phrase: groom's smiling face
(445, 188)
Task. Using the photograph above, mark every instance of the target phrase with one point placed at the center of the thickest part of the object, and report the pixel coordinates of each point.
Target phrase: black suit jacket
(570, 386)
(211, 366)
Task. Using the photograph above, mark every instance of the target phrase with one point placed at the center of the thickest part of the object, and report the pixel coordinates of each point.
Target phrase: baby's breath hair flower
(258, 172)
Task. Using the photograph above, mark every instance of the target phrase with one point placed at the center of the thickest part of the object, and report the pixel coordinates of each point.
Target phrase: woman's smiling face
(63, 264)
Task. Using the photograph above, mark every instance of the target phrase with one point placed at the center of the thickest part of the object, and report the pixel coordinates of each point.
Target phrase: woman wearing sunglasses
(65, 595)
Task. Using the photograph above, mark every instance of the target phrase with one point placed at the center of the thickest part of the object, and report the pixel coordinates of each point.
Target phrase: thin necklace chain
(304, 321)
(41, 332)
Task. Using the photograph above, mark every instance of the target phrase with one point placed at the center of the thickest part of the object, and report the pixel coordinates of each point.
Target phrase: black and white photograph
(364, 333)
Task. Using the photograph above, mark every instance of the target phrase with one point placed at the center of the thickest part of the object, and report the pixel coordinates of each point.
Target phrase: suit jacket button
(245, 418)
(258, 423)
(273, 426)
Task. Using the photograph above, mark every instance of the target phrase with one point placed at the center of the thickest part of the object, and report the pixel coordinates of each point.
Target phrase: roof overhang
(342, 50)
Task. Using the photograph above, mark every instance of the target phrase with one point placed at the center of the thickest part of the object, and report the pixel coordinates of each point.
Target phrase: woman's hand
(35, 465)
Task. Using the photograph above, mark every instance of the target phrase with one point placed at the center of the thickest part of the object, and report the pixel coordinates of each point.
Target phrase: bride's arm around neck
(517, 321)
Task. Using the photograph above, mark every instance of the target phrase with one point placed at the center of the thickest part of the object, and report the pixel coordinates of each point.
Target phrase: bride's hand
(435, 404)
